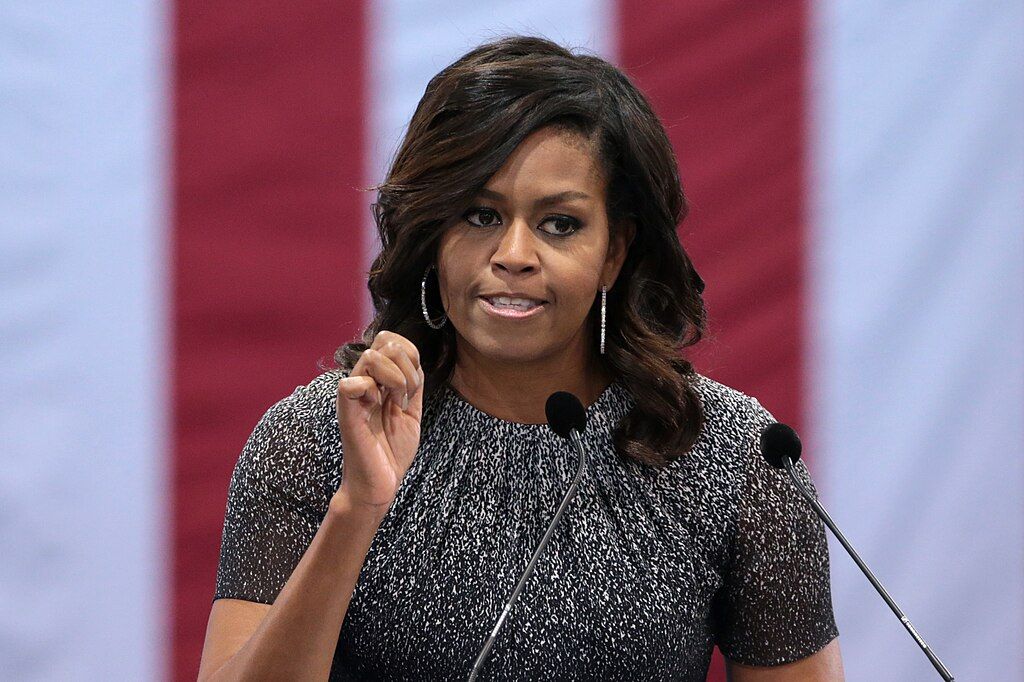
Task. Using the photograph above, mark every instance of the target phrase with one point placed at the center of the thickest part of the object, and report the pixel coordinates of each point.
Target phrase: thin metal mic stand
(574, 436)
(943, 671)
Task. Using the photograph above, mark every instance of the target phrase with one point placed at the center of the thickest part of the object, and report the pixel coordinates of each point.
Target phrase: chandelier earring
(604, 307)
(423, 301)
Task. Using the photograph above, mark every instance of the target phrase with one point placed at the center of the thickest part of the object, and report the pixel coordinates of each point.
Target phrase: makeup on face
(524, 259)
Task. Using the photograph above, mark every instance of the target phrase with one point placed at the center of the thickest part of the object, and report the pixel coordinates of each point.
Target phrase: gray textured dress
(648, 570)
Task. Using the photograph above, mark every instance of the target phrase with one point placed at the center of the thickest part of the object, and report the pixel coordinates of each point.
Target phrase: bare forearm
(297, 638)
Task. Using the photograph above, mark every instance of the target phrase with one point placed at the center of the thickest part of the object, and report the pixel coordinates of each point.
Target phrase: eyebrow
(543, 202)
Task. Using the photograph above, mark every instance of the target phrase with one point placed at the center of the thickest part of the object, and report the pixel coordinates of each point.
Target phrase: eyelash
(575, 224)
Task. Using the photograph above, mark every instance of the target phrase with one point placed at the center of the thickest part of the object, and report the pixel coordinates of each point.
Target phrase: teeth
(516, 303)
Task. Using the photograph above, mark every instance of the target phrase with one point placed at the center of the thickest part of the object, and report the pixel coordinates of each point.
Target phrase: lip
(508, 313)
(495, 294)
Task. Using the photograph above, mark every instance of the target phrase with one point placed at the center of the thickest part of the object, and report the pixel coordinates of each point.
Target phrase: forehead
(548, 157)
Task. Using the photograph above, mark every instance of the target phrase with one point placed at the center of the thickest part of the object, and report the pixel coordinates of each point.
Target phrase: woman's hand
(379, 407)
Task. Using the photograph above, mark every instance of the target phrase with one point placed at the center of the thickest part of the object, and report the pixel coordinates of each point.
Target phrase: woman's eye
(486, 217)
(564, 225)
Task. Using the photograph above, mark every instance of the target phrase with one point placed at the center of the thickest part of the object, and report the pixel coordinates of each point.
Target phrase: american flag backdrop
(185, 234)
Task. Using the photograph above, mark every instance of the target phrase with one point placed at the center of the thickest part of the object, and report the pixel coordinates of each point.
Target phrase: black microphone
(568, 419)
(781, 447)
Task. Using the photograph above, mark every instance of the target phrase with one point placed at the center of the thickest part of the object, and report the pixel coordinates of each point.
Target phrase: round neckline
(477, 414)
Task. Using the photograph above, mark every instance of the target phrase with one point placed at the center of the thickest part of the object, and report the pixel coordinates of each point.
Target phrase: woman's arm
(825, 665)
(379, 405)
(295, 638)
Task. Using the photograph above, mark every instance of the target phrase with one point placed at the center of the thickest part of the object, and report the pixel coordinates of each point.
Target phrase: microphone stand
(942, 670)
(574, 436)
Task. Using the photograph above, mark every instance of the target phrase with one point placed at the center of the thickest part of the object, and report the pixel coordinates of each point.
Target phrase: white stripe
(411, 41)
(918, 277)
(83, 318)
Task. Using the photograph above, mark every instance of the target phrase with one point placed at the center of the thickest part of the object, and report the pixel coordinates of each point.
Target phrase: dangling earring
(423, 301)
(604, 305)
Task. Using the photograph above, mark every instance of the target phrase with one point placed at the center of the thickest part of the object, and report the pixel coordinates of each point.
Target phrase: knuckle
(368, 361)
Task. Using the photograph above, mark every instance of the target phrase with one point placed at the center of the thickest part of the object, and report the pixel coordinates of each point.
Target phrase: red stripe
(268, 266)
(728, 81)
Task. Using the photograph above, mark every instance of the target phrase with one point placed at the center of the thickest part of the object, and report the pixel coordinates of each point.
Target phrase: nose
(517, 249)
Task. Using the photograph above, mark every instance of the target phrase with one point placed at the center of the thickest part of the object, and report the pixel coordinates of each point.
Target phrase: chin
(508, 350)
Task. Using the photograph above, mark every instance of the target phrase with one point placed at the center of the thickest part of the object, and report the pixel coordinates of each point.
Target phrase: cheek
(457, 279)
(448, 284)
(450, 273)
(577, 288)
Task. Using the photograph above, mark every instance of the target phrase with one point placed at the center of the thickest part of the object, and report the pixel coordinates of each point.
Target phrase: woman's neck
(518, 392)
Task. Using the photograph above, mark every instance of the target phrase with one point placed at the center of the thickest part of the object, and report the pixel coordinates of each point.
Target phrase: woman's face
(538, 231)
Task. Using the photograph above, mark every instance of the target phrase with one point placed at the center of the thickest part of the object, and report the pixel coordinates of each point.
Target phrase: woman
(528, 225)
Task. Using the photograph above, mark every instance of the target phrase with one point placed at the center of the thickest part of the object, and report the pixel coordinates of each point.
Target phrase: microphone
(781, 447)
(568, 419)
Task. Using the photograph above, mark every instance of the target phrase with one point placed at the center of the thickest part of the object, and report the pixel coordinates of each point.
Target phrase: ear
(618, 247)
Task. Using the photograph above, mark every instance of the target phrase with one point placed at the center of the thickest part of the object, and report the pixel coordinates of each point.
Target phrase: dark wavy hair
(471, 117)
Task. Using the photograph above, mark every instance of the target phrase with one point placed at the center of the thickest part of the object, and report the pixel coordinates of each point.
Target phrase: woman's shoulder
(713, 473)
(733, 420)
(728, 407)
(314, 402)
(310, 407)
(295, 448)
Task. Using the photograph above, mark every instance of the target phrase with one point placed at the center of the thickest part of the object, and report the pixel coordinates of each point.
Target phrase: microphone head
(565, 412)
(778, 443)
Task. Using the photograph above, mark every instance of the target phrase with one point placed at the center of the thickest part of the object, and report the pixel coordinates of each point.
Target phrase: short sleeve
(775, 605)
(274, 507)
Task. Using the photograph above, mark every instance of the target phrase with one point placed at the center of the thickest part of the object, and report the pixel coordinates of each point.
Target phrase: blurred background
(184, 236)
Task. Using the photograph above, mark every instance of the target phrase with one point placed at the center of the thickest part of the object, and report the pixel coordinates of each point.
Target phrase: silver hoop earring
(604, 306)
(423, 301)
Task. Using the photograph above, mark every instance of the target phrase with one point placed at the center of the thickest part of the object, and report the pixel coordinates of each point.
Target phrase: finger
(413, 404)
(416, 403)
(399, 354)
(360, 388)
(385, 339)
(384, 371)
